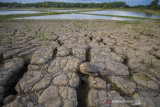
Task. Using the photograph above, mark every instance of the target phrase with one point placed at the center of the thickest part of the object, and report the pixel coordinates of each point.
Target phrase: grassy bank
(143, 10)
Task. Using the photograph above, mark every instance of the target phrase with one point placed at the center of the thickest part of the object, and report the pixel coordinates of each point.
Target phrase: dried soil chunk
(41, 56)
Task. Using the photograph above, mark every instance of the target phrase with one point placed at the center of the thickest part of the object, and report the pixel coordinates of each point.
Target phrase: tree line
(65, 5)
(152, 5)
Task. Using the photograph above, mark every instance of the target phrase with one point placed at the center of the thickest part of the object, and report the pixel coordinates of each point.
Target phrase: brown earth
(40, 63)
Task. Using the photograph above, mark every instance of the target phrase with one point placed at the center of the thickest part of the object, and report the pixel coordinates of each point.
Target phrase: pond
(125, 13)
(38, 9)
(75, 16)
(62, 10)
(17, 12)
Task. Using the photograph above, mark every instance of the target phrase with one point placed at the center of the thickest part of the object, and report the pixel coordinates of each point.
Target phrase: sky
(129, 2)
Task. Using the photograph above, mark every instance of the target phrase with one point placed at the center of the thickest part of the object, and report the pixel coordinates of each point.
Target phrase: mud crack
(82, 91)
(88, 55)
(10, 89)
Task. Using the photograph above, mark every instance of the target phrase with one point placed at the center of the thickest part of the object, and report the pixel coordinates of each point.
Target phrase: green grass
(2, 25)
(147, 31)
(142, 10)
(9, 40)
(125, 22)
(43, 36)
(26, 25)
(143, 76)
(136, 37)
(148, 62)
(128, 22)
(81, 24)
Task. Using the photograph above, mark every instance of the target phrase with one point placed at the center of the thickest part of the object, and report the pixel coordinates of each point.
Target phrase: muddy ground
(40, 60)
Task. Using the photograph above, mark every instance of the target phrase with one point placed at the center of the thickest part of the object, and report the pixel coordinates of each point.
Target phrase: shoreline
(4, 17)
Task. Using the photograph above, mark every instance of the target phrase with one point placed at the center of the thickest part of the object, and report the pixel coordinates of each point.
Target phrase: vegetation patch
(9, 39)
(143, 76)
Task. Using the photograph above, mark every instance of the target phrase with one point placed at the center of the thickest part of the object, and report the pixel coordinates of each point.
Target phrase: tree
(154, 3)
(65, 5)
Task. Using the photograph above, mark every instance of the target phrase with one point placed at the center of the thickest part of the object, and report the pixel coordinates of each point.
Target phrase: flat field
(40, 60)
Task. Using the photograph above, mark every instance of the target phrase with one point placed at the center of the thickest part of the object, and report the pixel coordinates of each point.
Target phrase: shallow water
(62, 10)
(125, 13)
(75, 16)
(17, 12)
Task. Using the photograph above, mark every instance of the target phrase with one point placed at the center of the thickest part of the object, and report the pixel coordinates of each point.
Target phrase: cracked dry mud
(40, 63)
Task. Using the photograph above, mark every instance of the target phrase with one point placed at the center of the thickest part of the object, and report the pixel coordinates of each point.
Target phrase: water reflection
(62, 10)
(125, 13)
(75, 16)
(148, 14)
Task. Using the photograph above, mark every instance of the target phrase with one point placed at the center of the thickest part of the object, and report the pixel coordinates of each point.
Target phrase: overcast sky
(130, 2)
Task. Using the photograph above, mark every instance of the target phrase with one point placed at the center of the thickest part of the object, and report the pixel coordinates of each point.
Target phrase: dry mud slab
(40, 63)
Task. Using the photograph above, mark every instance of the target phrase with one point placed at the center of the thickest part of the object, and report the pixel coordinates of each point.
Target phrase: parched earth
(40, 63)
